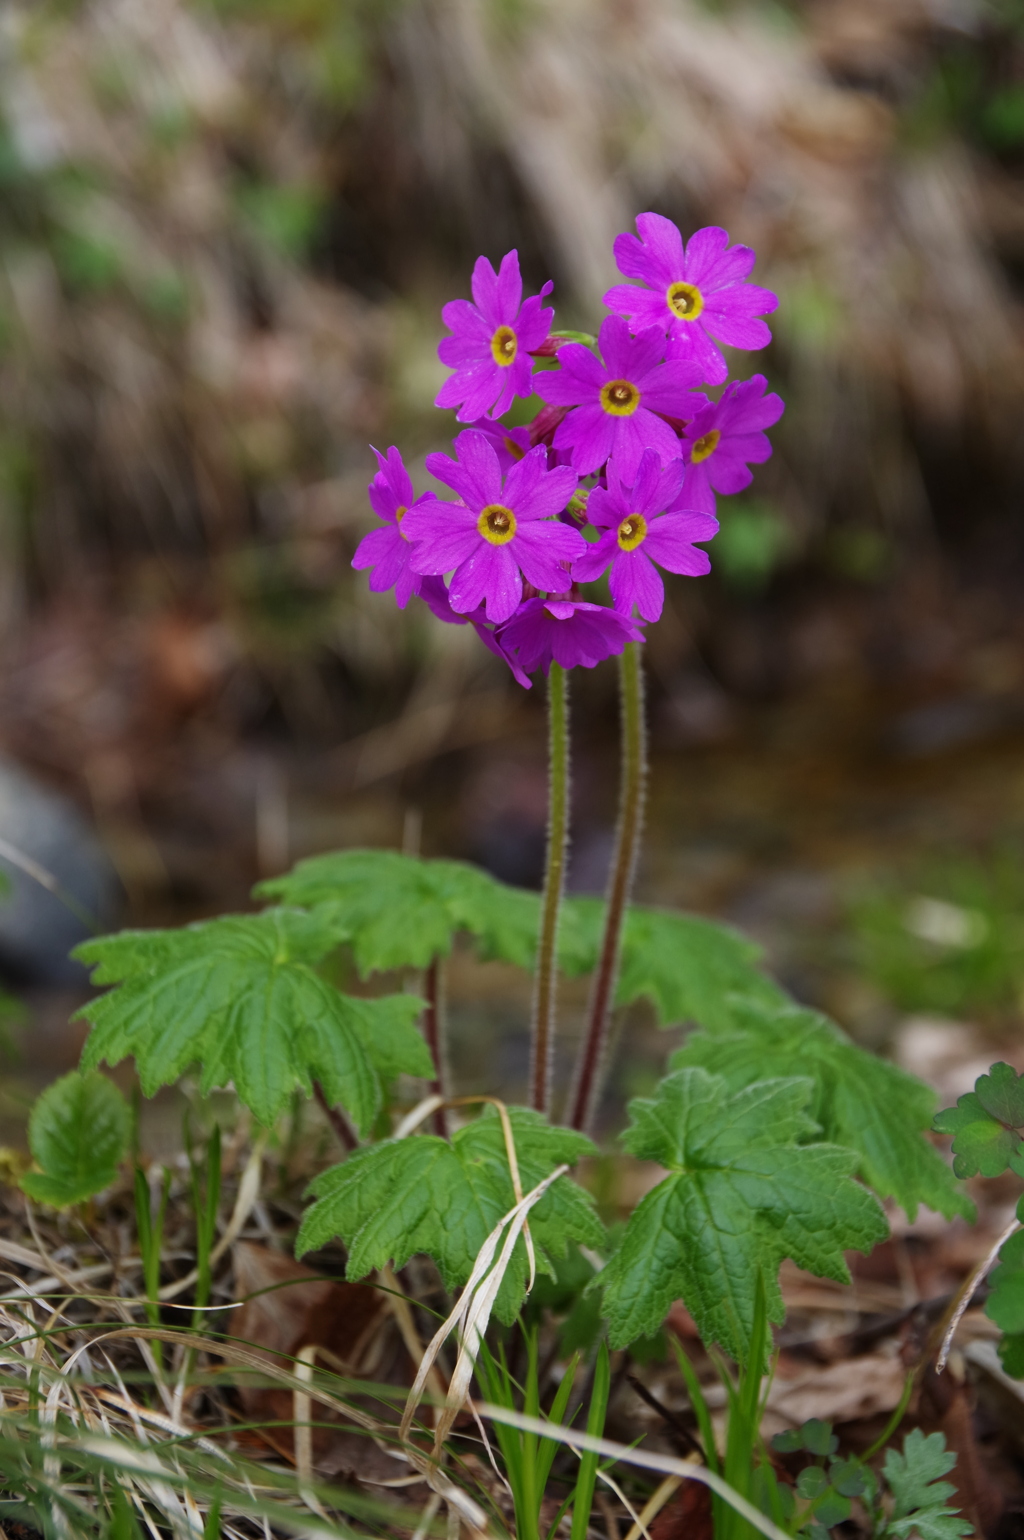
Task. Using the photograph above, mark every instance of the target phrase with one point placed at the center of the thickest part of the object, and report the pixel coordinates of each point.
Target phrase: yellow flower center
(400, 514)
(684, 300)
(702, 447)
(632, 532)
(497, 524)
(504, 346)
(620, 397)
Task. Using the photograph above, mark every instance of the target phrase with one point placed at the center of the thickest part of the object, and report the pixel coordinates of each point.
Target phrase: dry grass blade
(961, 1300)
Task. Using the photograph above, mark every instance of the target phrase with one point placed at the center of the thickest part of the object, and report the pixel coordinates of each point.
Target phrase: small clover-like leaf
(240, 996)
(982, 1145)
(818, 1437)
(1001, 1093)
(424, 1194)
(859, 1100)
(848, 1477)
(78, 1132)
(742, 1193)
(832, 1509)
(811, 1482)
(788, 1441)
(1005, 1304)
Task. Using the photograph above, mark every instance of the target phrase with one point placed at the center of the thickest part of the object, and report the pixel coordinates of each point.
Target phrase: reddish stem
(433, 1031)
(587, 1083)
(337, 1119)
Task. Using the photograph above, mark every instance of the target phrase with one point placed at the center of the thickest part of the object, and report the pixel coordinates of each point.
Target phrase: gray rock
(37, 930)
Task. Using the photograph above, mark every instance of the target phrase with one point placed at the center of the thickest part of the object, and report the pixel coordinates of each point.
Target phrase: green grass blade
(583, 1498)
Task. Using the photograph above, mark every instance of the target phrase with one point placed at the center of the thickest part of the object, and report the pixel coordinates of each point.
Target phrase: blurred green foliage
(948, 936)
(752, 543)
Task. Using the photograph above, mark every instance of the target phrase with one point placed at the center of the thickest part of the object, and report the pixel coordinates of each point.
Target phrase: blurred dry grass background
(226, 229)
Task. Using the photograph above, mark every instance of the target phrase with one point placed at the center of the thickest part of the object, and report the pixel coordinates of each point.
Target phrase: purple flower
(510, 444)
(568, 631)
(724, 437)
(639, 532)
(387, 550)
(492, 342)
(694, 293)
(616, 401)
(495, 536)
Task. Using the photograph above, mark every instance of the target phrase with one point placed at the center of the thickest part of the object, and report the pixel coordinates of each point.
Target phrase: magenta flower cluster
(616, 475)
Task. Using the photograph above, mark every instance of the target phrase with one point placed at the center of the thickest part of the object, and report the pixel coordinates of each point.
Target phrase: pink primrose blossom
(492, 341)
(615, 402)
(639, 532)
(693, 293)
(724, 438)
(387, 550)
(496, 534)
(568, 631)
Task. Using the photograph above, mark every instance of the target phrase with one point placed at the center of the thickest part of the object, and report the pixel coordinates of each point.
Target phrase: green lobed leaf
(984, 1125)
(859, 1100)
(1005, 1304)
(398, 911)
(239, 995)
(742, 1193)
(78, 1133)
(920, 1497)
(691, 969)
(423, 1194)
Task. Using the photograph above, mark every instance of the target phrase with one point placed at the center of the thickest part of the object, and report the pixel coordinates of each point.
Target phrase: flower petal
(704, 252)
(634, 582)
(490, 577)
(475, 475)
(594, 561)
(540, 549)
(690, 343)
(670, 542)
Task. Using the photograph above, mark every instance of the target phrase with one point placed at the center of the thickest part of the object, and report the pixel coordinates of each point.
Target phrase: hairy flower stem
(587, 1083)
(434, 1032)
(546, 984)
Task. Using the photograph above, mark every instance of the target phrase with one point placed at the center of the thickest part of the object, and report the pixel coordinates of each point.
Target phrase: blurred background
(226, 231)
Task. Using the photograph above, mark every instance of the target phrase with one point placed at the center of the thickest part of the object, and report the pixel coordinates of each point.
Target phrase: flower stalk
(546, 981)
(587, 1081)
